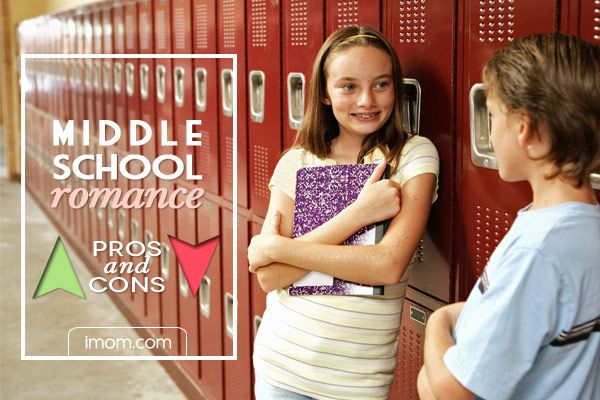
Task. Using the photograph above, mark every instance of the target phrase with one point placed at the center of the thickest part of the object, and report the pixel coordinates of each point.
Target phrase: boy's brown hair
(319, 126)
(555, 80)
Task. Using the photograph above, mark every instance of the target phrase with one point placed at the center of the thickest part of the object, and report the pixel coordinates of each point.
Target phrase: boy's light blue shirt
(543, 279)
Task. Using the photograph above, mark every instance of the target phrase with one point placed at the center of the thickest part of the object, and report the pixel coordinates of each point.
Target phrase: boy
(530, 328)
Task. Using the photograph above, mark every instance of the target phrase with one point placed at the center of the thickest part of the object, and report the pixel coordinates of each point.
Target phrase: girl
(343, 347)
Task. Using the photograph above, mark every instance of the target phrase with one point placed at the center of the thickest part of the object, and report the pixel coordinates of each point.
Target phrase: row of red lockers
(441, 44)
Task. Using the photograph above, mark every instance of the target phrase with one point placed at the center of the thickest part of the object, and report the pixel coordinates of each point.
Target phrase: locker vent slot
(201, 14)
(409, 361)
(490, 227)
(228, 23)
(258, 23)
(229, 159)
(161, 30)
(411, 21)
(596, 24)
(119, 38)
(204, 297)
(131, 23)
(496, 20)
(299, 23)
(261, 171)
(144, 29)
(179, 28)
(347, 13)
(204, 153)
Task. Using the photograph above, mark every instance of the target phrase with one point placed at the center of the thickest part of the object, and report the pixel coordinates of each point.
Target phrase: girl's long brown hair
(319, 126)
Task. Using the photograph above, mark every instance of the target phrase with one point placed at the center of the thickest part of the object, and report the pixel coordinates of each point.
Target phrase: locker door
(488, 205)
(264, 100)
(209, 298)
(303, 35)
(132, 87)
(423, 35)
(123, 219)
(108, 82)
(80, 68)
(232, 40)
(97, 68)
(589, 21)
(163, 73)
(169, 309)
(237, 373)
(342, 13)
(88, 70)
(409, 358)
(188, 303)
(119, 74)
(147, 80)
(137, 227)
(183, 109)
(258, 299)
(152, 233)
(206, 106)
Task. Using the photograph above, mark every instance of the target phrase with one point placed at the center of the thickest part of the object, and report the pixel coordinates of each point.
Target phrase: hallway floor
(58, 379)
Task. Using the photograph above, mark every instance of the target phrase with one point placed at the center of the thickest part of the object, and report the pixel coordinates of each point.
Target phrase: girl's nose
(365, 98)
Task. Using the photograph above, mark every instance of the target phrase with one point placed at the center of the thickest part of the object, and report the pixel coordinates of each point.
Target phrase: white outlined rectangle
(233, 57)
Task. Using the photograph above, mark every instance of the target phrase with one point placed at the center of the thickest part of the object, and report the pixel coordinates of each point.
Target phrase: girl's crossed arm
(381, 263)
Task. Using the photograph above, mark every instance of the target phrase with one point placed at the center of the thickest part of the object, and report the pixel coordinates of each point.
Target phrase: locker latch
(227, 91)
(178, 80)
(482, 152)
(295, 88)
(411, 106)
(257, 95)
(144, 74)
(204, 297)
(200, 88)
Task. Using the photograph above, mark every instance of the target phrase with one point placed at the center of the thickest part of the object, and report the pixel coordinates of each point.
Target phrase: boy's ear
(525, 133)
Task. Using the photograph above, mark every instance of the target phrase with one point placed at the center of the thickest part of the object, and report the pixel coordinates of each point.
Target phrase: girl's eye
(347, 86)
(382, 84)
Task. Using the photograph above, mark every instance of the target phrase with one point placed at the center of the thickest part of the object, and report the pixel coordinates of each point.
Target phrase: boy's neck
(552, 192)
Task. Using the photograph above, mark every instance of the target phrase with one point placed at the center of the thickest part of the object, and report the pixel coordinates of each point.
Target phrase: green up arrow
(59, 274)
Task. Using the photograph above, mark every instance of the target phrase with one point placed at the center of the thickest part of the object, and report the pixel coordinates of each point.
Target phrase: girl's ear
(325, 100)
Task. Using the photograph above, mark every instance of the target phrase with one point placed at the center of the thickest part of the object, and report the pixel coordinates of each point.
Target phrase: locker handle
(110, 216)
(205, 296)
(148, 237)
(200, 88)
(130, 78)
(229, 314)
(257, 95)
(295, 88)
(106, 76)
(78, 73)
(411, 105)
(256, 323)
(595, 178)
(161, 72)
(97, 71)
(184, 289)
(134, 226)
(178, 80)
(482, 152)
(121, 224)
(87, 74)
(117, 69)
(227, 91)
(165, 258)
(144, 73)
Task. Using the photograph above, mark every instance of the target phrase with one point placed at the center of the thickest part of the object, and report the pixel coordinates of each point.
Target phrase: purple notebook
(321, 193)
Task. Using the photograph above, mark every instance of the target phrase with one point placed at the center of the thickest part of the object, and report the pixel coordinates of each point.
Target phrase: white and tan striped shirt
(335, 347)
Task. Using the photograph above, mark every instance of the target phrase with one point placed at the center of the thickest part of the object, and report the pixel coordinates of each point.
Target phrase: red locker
(340, 14)
(264, 76)
(80, 101)
(132, 67)
(88, 68)
(163, 75)
(119, 74)
(209, 298)
(151, 233)
(97, 69)
(303, 35)
(168, 270)
(237, 374)
(137, 225)
(146, 73)
(123, 224)
(409, 359)
(423, 36)
(232, 40)
(205, 98)
(258, 298)
(183, 90)
(188, 303)
(108, 82)
(487, 204)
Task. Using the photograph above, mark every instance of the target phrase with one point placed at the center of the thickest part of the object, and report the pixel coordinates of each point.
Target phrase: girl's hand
(260, 251)
(379, 199)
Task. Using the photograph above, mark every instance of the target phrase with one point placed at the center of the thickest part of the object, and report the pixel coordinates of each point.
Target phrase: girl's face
(360, 89)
